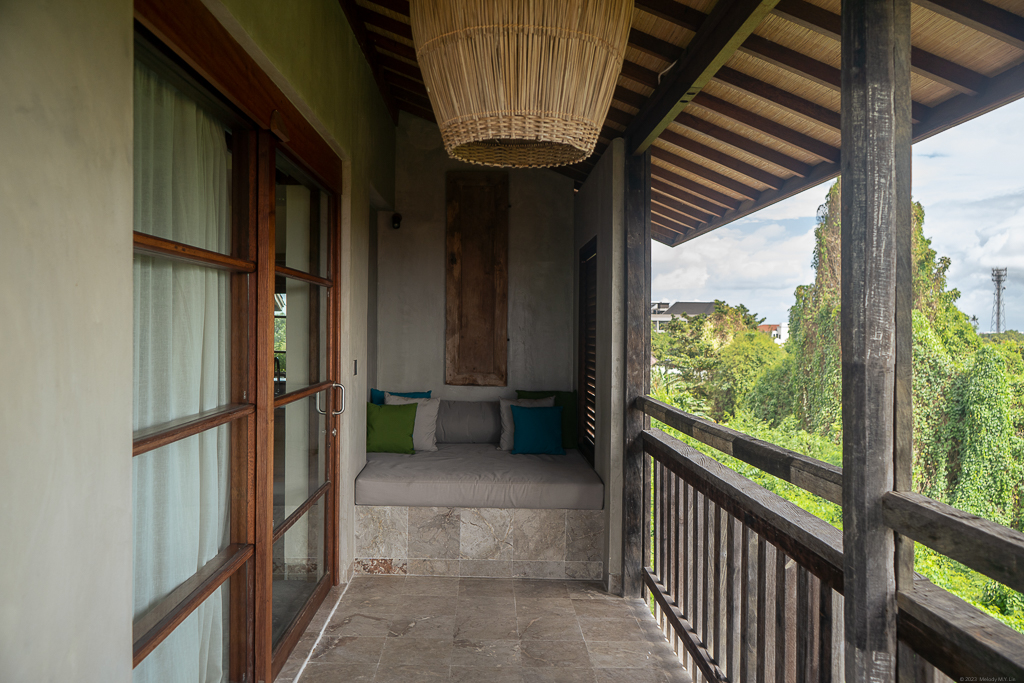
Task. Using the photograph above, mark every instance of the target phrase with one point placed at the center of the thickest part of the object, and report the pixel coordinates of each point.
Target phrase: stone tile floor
(421, 628)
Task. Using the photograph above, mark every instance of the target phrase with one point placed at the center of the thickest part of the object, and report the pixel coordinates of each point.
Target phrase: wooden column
(638, 367)
(876, 134)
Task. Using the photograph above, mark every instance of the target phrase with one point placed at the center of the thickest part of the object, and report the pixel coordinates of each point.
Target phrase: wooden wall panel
(476, 291)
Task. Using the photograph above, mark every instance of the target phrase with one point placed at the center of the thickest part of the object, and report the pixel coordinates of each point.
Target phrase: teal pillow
(538, 430)
(567, 401)
(389, 428)
(377, 397)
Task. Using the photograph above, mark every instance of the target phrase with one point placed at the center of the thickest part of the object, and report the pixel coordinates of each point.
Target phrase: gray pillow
(468, 422)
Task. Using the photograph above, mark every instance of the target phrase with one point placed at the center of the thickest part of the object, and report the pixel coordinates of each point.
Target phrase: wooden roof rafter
(764, 122)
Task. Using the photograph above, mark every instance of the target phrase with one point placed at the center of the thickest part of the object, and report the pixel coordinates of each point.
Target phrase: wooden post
(638, 366)
(876, 131)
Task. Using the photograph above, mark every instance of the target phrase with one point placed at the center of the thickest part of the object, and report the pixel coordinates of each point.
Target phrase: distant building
(778, 333)
(662, 312)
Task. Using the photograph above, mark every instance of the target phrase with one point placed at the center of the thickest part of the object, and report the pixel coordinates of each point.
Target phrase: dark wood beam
(656, 47)
(822, 150)
(396, 6)
(693, 186)
(922, 62)
(618, 116)
(1002, 89)
(792, 61)
(742, 142)
(779, 97)
(721, 158)
(408, 84)
(876, 209)
(411, 97)
(640, 74)
(704, 172)
(398, 66)
(660, 186)
(352, 14)
(635, 542)
(401, 49)
(630, 97)
(669, 10)
(981, 16)
(676, 230)
(672, 202)
(666, 237)
(720, 35)
(385, 23)
(673, 216)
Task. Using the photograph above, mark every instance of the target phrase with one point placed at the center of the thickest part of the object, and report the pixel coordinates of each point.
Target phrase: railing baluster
(675, 543)
(730, 597)
(825, 633)
(762, 608)
(780, 616)
(716, 591)
(804, 661)
(684, 554)
(747, 609)
(662, 491)
(648, 516)
(705, 574)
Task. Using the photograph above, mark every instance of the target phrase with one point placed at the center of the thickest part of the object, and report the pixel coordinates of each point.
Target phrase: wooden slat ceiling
(766, 126)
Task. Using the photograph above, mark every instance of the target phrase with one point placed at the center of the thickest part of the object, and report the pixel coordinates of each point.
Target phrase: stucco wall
(411, 275)
(309, 50)
(599, 212)
(66, 340)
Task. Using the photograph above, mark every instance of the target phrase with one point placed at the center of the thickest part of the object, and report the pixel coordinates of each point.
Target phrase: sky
(970, 180)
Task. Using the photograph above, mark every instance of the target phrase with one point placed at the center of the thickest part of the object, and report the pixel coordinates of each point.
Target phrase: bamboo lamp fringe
(522, 83)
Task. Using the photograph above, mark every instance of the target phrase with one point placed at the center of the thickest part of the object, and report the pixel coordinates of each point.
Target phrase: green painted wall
(312, 45)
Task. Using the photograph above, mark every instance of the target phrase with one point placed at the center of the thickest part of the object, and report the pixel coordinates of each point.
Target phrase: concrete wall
(411, 275)
(599, 212)
(66, 340)
(309, 50)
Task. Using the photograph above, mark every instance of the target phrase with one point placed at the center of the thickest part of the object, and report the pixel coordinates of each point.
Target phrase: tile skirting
(479, 542)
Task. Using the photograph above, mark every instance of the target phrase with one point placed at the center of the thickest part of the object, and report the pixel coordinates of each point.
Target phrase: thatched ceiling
(766, 125)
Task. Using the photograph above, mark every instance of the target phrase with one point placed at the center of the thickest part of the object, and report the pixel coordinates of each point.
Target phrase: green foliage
(280, 338)
(740, 364)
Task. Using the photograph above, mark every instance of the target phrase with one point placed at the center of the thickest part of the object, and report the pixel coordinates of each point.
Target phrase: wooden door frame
(189, 30)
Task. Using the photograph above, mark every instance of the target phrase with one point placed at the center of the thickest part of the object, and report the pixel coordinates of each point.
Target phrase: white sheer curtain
(182, 367)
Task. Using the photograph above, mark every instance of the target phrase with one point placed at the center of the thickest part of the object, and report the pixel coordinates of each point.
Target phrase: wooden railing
(749, 587)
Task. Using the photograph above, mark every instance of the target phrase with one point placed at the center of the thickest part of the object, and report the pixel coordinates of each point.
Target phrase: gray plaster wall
(599, 213)
(411, 275)
(66, 340)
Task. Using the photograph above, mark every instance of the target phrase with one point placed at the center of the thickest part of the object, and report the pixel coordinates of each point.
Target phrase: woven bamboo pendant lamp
(521, 83)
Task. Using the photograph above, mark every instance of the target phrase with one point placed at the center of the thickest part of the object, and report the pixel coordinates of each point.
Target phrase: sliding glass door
(235, 410)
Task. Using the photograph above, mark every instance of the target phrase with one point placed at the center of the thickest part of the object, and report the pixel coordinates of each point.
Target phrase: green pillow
(389, 428)
(567, 401)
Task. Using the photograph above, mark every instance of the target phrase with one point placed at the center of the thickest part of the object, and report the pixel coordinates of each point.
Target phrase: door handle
(333, 412)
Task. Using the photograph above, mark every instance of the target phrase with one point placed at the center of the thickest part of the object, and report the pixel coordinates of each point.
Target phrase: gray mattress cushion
(468, 422)
(479, 476)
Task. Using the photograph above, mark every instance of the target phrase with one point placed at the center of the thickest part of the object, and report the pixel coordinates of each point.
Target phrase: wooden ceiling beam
(396, 6)
(981, 16)
(822, 150)
(743, 143)
(922, 62)
(409, 84)
(673, 204)
(681, 15)
(351, 10)
(411, 97)
(1002, 89)
(400, 49)
(398, 66)
(618, 116)
(656, 47)
(667, 237)
(683, 196)
(721, 158)
(779, 97)
(693, 186)
(674, 225)
(674, 216)
(719, 36)
(640, 74)
(384, 23)
(703, 172)
(629, 97)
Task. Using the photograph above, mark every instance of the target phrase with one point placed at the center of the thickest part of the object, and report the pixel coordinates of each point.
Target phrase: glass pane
(182, 167)
(182, 339)
(197, 650)
(298, 566)
(181, 497)
(300, 335)
(300, 223)
(299, 466)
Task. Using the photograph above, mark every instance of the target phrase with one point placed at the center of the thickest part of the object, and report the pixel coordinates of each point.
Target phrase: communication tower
(998, 311)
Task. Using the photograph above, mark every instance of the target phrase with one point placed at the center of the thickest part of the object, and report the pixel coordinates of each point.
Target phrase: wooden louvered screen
(587, 383)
